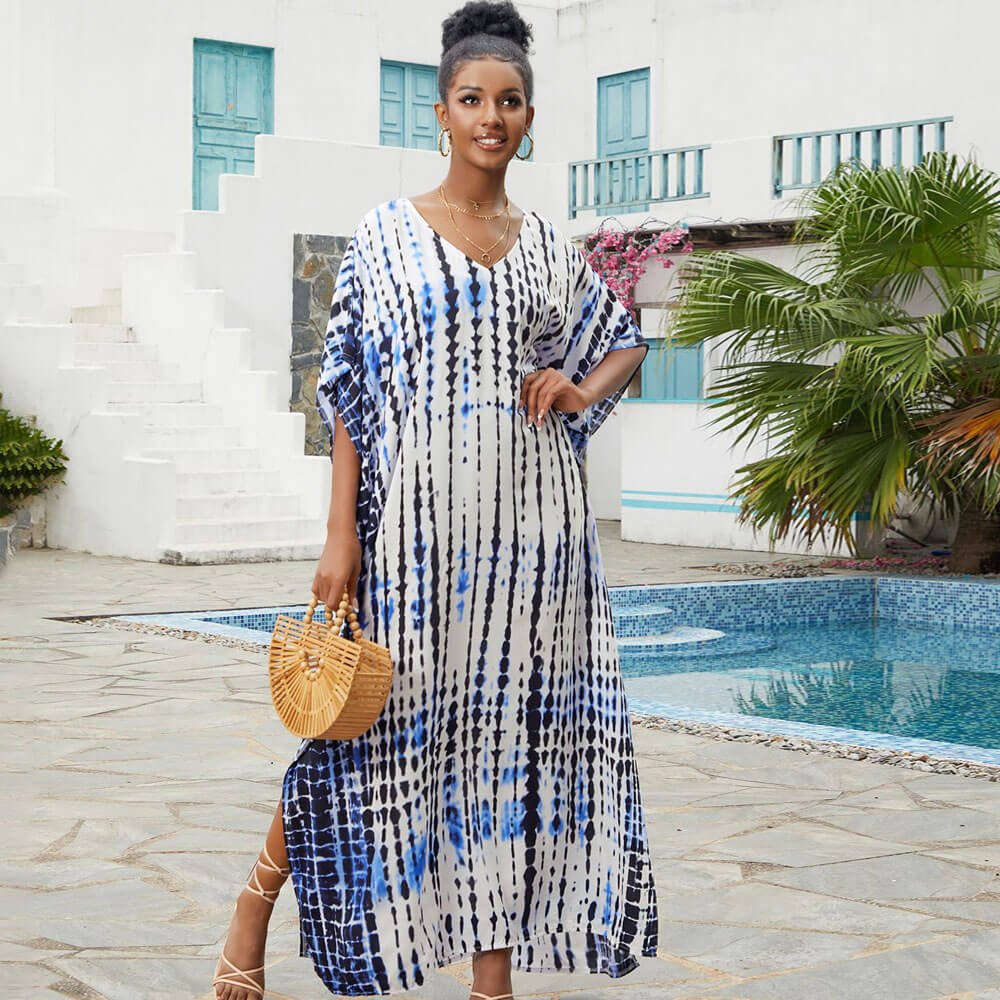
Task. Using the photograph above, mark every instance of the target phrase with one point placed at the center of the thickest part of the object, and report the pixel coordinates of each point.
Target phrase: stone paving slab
(141, 772)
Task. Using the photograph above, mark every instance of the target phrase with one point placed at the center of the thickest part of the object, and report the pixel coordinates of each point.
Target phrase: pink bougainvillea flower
(621, 257)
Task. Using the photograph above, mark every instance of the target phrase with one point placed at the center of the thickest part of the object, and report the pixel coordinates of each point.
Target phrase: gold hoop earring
(531, 148)
(440, 137)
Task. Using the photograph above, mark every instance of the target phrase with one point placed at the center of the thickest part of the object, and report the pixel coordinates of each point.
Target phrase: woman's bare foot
(241, 964)
(491, 972)
(245, 946)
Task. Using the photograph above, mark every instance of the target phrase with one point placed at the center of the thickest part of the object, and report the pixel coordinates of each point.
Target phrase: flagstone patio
(140, 773)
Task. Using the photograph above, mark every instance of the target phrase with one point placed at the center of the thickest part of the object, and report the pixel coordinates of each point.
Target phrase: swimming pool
(899, 663)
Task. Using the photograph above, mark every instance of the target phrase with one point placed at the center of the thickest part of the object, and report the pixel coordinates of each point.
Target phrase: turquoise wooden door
(406, 114)
(623, 127)
(233, 101)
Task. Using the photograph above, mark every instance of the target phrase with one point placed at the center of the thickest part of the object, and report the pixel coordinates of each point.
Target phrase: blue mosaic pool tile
(970, 603)
(758, 603)
(642, 619)
(637, 661)
(248, 624)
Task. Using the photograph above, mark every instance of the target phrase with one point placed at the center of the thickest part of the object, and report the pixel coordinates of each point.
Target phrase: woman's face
(486, 98)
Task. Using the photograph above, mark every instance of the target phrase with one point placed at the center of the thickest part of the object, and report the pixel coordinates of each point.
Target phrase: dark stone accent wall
(316, 261)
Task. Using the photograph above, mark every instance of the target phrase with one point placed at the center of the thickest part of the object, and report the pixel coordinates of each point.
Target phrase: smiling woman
(493, 808)
(485, 111)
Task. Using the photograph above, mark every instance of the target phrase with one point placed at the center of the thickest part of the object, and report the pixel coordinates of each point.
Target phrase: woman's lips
(490, 145)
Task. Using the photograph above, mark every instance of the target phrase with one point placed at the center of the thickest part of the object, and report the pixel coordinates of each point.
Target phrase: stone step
(154, 392)
(104, 333)
(680, 635)
(642, 619)
(115, 352)
(143, 371)
(240, 506)
(208, 459)
(230, 532)
(193, 436)
(222, 481)
(103, 313)
(183, 414)
(663, 658)
(258, 552)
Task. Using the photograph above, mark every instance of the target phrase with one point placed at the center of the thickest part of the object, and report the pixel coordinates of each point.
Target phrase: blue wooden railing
(820, 152)
(632, 180)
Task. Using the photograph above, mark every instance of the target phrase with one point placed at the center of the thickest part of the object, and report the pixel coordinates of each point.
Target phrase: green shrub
(30, 461)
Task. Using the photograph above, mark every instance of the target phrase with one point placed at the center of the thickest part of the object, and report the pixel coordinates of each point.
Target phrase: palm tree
(873, 372)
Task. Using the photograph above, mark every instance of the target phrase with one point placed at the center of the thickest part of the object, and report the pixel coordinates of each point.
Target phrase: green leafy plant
(871, 371)
(29, 461)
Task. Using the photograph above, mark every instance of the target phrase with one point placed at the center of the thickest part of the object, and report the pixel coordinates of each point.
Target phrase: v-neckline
(517, 239)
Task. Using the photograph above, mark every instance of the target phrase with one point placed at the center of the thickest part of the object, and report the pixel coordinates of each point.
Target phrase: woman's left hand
(547, 389)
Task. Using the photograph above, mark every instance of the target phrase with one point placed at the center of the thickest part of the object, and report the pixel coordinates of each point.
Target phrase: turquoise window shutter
(407, 95)
(423, 126)
(672, 372)
(233, 102)
(622, 128)
(392, 101)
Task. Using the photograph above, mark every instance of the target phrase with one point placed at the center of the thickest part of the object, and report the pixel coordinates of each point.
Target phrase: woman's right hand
(339, 567)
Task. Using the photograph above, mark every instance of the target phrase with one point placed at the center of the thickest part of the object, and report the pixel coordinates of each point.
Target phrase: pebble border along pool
(746, 604)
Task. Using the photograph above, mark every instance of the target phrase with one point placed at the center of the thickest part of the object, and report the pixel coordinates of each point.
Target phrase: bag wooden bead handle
(325, 686)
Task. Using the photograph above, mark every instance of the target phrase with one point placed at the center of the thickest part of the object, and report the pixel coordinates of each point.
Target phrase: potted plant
(874, 373)
(30, 462)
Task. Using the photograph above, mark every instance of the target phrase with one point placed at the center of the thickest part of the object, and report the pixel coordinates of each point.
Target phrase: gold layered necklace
(475, 204)
(486, 253)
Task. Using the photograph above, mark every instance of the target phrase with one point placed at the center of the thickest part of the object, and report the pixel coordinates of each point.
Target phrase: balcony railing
(632, 180)
(818, 153)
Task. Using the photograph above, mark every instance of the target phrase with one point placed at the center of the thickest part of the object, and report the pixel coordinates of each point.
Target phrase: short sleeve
(592, 323)
(340, 386)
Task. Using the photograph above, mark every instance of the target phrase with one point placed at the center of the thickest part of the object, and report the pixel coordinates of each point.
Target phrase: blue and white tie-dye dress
(495, 802)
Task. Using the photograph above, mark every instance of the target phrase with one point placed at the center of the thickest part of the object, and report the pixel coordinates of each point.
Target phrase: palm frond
(763, 396)
(933, 224)
(967, 441)
(810, 493)
(755, 309)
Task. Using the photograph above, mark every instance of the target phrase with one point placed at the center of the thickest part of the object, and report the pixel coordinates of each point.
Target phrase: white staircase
(178, 459)
(231, 505)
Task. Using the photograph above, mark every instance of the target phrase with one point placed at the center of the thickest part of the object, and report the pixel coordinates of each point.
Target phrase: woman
(493, 809)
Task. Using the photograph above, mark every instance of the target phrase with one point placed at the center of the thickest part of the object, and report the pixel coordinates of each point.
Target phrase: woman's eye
(472, 97)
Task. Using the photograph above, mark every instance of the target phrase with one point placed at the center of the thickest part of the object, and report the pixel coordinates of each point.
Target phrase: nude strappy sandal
(241, 977)
(496, 996)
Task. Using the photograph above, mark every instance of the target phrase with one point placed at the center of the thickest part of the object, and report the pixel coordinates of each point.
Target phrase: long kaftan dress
(495, 801)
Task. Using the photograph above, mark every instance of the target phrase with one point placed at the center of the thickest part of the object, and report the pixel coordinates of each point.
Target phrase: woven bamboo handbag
(326, 687)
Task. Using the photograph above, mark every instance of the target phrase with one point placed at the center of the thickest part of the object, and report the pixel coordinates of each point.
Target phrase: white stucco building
(161, 159)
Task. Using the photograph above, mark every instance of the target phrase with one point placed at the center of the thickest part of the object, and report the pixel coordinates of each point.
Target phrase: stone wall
(316, 262)
(23, 528)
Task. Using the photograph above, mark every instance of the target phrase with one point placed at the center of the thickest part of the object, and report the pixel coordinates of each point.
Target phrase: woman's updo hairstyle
(479, 29)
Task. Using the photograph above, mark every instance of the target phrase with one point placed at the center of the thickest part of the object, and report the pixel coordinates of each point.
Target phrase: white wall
(99, 95)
